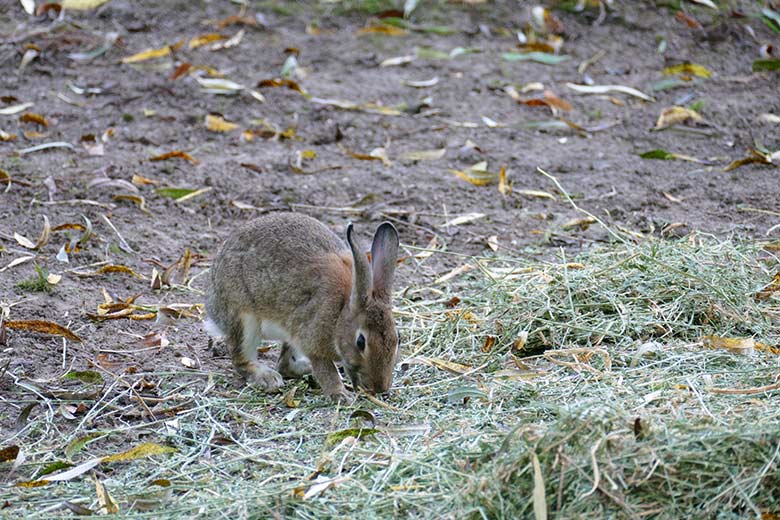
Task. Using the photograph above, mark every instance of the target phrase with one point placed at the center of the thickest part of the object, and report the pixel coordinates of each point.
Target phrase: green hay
(622, 410)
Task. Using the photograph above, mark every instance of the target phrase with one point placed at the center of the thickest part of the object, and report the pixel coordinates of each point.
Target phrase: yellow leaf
(204, 39)
(170, 155)
(387, 30)
(744, 346)
(536, 193)
(218, 124)
(444, 364)
(676, 115)
(503, 186)
(687, 68)
(82, 5)
(475, 177)
(308, 154)
(582, 223)
(111, 268)
(108, 505)
(141, 451)
(148, 54)
(44, 327)
(138, 200)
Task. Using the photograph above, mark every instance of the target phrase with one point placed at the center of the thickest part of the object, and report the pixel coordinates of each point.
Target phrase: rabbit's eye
(361, 343)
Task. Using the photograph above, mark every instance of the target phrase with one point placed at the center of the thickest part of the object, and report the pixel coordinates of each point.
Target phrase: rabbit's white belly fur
(274, 332)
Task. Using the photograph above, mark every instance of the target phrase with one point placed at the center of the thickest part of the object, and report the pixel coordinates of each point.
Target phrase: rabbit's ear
(361, 271)
(384, 253)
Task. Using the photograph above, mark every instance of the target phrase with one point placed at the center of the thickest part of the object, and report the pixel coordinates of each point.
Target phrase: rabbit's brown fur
(287, 276)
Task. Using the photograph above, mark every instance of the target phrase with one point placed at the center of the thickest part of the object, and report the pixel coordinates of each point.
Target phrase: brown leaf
(9, 453)
(281, 82)
(236, 20)
(387, 30)
(32, 117)
(44, 327)
(176, 154)
(489, 343)
(181, 70)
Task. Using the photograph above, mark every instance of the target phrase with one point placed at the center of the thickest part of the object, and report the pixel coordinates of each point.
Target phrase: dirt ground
(151, 114)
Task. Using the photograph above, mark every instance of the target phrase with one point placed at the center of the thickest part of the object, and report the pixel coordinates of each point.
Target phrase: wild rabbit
(287, 277)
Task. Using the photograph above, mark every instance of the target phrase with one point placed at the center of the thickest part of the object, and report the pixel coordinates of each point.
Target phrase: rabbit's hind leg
(292, 362)
(243, 338)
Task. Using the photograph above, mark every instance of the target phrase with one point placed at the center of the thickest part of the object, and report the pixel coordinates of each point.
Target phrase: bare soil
(151, 114)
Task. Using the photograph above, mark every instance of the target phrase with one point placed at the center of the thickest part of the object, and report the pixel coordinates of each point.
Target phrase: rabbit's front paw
(343, 397)
(265, 378)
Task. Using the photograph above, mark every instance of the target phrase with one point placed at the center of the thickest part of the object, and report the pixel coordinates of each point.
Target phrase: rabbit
(288, 277)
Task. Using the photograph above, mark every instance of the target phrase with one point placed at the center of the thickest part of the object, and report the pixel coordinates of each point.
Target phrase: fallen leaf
(371, 108)
(492, 242)
(204, 39)
(32, 117)
(463, 219)
(231, 42)
(220, 86)
(605, 89)
(147, 449)
(218, 124)
(148, 54)
(17, 261)
(43, 238)
(766, 65)
(45, 146)
(15, 109)
(137, 199)
(176, 154)
(398, 60)
(743, 346)
(85, 376)
(668, 156)
(108, 505)
(82, 5)
(676, 115)
(535, 194)
(708, 3)
(43, 327)
(442, 364)
(504, 188)
(282, 82)
(424, 155)
(181, 70)
(110, 268)
(545, 58)
(687, 68)
(9, 453)
(423, 83)
(387, 30)
(581, 223)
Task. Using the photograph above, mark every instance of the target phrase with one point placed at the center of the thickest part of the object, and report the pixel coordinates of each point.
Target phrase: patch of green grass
(38, 282)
